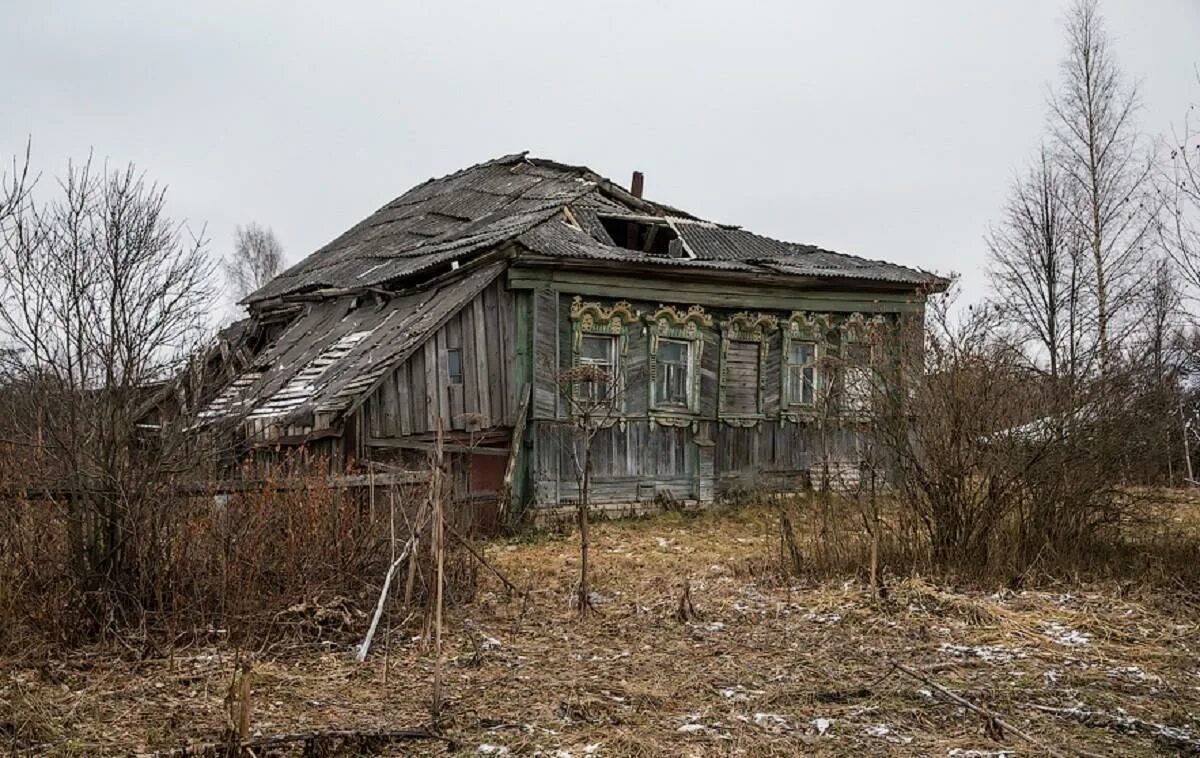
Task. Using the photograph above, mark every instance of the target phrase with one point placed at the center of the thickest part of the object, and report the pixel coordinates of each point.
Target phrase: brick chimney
(635, 186)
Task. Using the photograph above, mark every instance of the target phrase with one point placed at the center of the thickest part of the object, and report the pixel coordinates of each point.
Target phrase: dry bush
(290, 557)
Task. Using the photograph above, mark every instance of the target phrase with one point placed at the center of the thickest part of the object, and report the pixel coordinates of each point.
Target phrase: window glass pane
(801, 352)
(593, 349)
(671, 382)
(599, 351)
(673, 352)
(802, 358)
(454, 365)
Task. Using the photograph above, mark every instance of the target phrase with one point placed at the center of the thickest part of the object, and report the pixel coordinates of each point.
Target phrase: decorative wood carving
(594, 317)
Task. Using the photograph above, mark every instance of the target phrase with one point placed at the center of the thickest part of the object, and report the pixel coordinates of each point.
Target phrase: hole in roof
(644, 235)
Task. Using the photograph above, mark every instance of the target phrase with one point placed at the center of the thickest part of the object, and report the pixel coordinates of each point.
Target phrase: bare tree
(1179, 191)
(592, 396)
(101, 296)
(1106, 171)
(256, 259)
(1035, 256)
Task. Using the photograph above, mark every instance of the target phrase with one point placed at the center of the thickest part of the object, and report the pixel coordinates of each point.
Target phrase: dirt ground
(768, 667)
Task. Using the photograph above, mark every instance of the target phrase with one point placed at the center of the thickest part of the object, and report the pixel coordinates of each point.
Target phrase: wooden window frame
(450, 375)
(755, 328)
(860, 331)
(814, 329)
(596, 319)
(686, 326)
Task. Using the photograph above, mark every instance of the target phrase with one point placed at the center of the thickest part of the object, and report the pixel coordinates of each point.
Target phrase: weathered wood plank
(443, 381)
(432, 390)
(714, 294)
(482, 380)
(470, 373)
(403, 399)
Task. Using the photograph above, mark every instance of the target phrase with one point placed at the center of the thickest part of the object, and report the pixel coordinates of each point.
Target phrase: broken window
(600, 353)
(644, 234)
(858, 377)
(673, 376)
(454, 365)
(801, 373)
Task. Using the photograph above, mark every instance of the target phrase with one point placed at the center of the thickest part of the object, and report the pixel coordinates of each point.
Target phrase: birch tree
(1035, 266)
(256, 259)
(1179, 190)
(1106, 171)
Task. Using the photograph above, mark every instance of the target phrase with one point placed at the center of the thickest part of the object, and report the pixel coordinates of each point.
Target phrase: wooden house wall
(413, 396)
(637, 459)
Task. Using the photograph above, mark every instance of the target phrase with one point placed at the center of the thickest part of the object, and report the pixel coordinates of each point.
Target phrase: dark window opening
(643, 235)
(454, 365)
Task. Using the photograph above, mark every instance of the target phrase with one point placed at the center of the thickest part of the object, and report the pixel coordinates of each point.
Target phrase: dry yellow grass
(770, 667)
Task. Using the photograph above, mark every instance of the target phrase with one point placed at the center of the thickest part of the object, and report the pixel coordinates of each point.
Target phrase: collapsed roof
(556, 210)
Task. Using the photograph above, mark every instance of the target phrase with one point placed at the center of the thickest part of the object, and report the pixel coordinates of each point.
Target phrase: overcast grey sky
(887, 129)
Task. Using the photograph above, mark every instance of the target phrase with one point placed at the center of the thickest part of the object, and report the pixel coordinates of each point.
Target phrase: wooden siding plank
(470, 374)
(431, 384)
(403, 401)
(443, 380)
(496, 367)
(480, 363)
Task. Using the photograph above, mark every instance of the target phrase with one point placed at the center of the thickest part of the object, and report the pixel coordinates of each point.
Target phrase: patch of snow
(715, 626)
(691, 728)
(490, 643)
(884, 732)
(1134, 674)
(1065, 635)
(1051, 676)
(822, 724)
(767, 720)
(487, 749)
(595, 598)
(926, 694)
(822, 618)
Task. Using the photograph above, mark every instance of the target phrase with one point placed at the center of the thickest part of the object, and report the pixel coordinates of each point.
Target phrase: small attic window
(643, 234)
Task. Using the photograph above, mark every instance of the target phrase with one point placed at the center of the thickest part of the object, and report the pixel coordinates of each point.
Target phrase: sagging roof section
(338, 350)
(463, 215)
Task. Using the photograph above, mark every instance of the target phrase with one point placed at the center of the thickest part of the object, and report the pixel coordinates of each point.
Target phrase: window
(802, 373)
(454, 365)
(858, 380)
(599, 352)
(673, 375)
(741, 378)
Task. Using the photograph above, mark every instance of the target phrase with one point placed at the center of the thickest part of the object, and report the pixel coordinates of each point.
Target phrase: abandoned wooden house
(466, 301)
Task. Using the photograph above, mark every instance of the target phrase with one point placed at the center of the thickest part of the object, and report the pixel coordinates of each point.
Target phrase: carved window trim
(688, 326)
(814, 328)
(594, 318)
(858, 330)
(745, 327)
